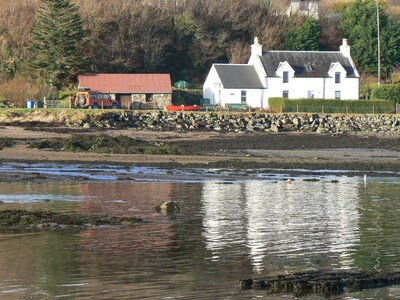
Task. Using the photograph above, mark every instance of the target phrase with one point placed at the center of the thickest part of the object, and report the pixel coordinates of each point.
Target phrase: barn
(132, 91)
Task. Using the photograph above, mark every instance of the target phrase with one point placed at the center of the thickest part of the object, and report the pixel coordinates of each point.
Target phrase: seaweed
(31, 220)
(319, 282)
(5, 143)
(107, 144)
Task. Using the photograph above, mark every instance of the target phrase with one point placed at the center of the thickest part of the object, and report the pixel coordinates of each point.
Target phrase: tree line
(45, 44)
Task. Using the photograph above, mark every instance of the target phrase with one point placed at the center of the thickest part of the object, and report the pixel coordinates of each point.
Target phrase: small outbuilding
(132, 91)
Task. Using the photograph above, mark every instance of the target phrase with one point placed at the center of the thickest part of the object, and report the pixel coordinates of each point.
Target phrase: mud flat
(173, 149)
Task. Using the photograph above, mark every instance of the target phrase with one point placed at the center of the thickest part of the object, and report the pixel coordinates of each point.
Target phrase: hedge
(331, 106)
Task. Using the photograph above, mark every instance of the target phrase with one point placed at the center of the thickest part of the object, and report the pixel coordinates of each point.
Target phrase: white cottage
(289, 74)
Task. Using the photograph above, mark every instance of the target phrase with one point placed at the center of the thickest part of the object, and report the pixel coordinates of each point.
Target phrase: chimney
(345, 48)
(256, 48)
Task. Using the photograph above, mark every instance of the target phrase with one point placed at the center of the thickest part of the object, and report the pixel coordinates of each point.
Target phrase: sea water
(224, 232)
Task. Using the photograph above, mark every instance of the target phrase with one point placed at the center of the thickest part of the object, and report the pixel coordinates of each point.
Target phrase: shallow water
(225, 231)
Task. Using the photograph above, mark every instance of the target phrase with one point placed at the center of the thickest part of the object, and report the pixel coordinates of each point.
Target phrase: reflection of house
(306, 7)
(131, 90)
(288, 74)
(280, 222)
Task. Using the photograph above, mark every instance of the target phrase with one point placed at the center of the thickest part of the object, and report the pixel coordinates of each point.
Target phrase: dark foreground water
(225, 231)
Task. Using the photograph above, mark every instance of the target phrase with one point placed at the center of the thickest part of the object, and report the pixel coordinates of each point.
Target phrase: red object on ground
(183, 107)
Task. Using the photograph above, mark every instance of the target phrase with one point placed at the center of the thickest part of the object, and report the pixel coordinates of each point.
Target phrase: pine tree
(304, 36)
(359, 25)
(58, 41)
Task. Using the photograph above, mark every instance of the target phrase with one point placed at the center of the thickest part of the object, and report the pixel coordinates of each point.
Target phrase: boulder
(168, 207)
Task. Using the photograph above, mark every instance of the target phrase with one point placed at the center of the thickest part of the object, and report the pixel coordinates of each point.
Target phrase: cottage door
(125, 101)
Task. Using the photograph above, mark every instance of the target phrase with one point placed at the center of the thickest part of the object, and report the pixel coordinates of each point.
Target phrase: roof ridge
(302, 51)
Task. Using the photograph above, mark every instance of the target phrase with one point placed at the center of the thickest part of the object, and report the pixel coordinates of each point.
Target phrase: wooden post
(297, 108)
(322, 109)
(373, 109)
(102, 104)
(347, 110)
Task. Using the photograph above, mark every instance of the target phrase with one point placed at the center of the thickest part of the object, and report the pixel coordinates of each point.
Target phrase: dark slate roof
(306, 63)
(238, 76)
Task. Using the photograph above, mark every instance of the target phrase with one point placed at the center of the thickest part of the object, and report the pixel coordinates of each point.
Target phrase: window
(285, 94)
(337, 95)
(285, 77)
(243, 96)
(337, 77)
(303, 5)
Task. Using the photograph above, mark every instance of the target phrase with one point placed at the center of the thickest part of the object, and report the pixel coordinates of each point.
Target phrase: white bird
(365, 178)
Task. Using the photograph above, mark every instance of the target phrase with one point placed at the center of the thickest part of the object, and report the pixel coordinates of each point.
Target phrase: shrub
(17, 91)
(386, 91)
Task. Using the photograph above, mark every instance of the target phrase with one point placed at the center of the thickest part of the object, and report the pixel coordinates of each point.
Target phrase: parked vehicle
(92, 99)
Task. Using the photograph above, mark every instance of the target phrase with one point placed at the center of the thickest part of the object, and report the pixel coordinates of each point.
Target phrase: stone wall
(233, 122)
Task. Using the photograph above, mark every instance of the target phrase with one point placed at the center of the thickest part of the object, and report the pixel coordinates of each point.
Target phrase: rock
(168, 207)
(322, 130)
(274, 128)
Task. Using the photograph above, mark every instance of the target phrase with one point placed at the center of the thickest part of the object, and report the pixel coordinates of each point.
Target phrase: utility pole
(379, 41)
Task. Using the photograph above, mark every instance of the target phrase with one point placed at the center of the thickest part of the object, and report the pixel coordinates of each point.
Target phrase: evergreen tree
(303, 37)
(359, 25)
(58, 41)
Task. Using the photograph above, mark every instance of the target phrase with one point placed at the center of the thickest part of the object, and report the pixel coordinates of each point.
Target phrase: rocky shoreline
(203, 139)
(234, 122)
(211, 121)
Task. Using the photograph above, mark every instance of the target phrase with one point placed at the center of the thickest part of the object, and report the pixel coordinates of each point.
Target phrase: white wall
(214, 90)
(254, 97)
(212, 87)
(320, 87)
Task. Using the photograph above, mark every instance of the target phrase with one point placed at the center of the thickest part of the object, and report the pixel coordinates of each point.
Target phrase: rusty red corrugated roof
(127, 83)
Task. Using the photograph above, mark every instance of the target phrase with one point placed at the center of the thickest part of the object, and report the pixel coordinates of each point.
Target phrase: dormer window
(337, 77)
(285, 77)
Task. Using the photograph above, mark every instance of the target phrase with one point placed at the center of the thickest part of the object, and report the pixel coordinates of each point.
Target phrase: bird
(365, 177)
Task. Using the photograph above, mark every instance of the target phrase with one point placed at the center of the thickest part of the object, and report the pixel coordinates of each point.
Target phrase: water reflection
(278, 222)
(225, 231)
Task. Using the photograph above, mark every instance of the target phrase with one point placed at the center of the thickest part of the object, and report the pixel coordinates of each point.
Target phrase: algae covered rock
(34, 220)
(168, 207)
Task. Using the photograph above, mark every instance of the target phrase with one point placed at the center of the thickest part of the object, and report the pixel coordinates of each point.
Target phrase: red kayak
(183, 107)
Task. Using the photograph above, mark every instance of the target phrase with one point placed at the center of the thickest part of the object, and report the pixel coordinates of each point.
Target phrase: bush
(386, 91)
(17, 91)
(186, 96)
(331, 106)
